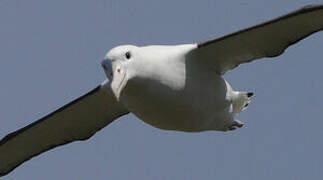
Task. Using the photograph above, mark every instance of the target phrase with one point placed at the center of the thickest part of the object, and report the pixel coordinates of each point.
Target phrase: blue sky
(50, 53)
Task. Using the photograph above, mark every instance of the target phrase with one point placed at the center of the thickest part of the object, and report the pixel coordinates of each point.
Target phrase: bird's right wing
(78, 120)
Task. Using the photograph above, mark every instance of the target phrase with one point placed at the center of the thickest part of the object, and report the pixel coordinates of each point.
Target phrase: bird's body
(175, 93)
(170, 87)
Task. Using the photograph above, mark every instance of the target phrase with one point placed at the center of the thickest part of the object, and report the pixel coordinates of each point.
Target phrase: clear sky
(50, 54)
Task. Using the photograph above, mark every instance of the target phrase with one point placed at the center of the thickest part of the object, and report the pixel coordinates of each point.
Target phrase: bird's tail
(241, 101)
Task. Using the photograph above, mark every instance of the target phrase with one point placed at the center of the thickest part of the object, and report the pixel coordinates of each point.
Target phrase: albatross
(176, 87)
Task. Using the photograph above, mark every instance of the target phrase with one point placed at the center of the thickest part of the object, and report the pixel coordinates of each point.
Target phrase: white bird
(169, 87)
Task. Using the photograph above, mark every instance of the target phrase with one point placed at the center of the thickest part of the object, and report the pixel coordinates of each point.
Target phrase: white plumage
(170, 87)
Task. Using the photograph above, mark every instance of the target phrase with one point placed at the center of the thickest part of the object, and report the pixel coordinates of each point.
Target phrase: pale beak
(117, 77)
(107, 66)
(118, 81)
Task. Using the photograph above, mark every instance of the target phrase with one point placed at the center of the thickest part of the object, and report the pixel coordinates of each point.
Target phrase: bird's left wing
(268, 39)
(77, 120)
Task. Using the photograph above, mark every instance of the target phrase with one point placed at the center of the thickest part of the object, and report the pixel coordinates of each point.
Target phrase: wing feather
(77, 120)
(268, 39)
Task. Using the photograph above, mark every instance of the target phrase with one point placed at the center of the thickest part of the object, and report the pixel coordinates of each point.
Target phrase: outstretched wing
(78, 120)
(268, 39)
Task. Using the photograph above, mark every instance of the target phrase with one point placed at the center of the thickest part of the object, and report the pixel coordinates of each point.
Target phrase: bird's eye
(128, 55)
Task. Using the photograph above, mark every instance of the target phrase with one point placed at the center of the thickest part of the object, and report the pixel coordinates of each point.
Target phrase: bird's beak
(107, 66)
(119, 80)
(117, 76)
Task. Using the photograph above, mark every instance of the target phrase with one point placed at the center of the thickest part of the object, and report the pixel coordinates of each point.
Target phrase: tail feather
(249, 94)
(241, 101)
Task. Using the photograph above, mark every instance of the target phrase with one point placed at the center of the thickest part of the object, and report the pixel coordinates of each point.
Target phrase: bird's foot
(235, 124)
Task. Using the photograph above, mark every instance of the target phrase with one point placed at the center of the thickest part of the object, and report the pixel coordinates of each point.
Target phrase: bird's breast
(176, 99)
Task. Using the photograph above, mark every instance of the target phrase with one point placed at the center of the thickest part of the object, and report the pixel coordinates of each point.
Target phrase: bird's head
(117, 66)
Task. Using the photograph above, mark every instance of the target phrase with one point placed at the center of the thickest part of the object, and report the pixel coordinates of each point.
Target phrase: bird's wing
(77, 120)
(268, 39)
